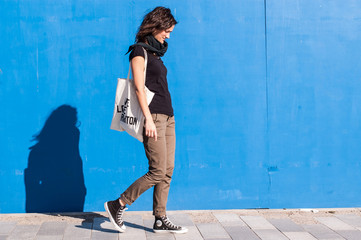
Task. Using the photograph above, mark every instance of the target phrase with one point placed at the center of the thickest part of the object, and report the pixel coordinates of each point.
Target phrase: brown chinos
(160, 156)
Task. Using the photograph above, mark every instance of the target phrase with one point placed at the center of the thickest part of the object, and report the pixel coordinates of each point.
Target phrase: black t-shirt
(156, 81)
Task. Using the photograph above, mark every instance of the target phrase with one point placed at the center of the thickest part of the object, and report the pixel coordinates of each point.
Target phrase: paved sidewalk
(294, 224)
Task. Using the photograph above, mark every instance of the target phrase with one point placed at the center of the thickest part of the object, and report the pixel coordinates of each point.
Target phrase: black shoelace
(168, 223)
(120, 214)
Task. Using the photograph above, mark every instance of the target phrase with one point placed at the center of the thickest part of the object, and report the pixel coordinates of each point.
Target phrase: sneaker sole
(120, 229)
(171, 231)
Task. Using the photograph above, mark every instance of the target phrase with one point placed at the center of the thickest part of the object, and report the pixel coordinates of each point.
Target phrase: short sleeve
(137, 51)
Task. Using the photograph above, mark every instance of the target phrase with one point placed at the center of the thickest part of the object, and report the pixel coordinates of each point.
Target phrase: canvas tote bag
(127, 114)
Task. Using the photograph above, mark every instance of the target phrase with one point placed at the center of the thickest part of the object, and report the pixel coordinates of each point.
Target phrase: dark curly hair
(160, 18)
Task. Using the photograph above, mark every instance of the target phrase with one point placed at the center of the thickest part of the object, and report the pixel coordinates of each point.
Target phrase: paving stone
(286, 225)
(181, 219)
(257, 222)
(217, 238)
(322, 232)
(73, 231)
(6, 227)
(299, 236)
(350, 234)
(103, 225)
(334, 223)
(103, 229)
(52, 229)
(135, 228)
(134, 219)
(241, 233)
(45, 237)
(148, 224)
(212, 230)
(270, 234)
(229, 219)
(104, 235)
(192, 234)
(24, 232)
(160, 237)
(350, 219)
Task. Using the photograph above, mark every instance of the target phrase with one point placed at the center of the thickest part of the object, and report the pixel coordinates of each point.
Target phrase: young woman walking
(159, 127)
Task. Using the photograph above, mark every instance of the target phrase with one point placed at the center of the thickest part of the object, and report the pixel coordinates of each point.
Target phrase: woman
(159, 127)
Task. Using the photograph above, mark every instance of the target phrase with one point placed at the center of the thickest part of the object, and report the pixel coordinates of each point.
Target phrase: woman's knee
(169, 172)
(157, 176)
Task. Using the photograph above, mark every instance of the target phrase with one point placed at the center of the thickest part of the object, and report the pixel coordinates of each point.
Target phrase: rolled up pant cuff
(125, 199)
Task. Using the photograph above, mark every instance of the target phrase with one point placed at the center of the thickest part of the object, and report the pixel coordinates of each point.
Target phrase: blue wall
(266, 97)
(314, 102)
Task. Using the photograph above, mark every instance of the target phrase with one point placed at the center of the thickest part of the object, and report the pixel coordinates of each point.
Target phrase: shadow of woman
(54, 180)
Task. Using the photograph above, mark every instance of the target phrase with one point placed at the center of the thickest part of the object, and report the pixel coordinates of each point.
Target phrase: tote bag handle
(145, 65)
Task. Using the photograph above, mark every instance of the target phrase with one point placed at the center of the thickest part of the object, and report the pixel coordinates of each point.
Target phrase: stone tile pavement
(256, 224)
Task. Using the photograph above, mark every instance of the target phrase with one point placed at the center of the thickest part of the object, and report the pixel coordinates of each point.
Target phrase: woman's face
(161, 35)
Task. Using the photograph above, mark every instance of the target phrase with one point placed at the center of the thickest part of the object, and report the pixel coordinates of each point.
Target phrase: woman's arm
(138, 76)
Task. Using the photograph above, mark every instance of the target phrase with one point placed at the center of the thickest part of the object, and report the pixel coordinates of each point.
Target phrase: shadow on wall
(54, 179)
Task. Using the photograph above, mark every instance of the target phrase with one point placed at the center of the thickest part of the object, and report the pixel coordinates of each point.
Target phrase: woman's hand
(150, 129)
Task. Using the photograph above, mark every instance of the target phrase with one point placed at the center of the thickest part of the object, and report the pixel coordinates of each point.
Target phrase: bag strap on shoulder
(145, 65)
